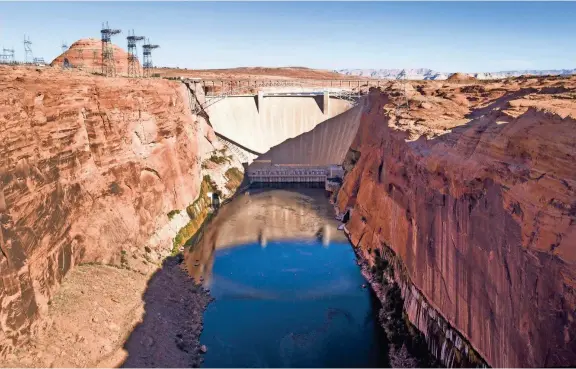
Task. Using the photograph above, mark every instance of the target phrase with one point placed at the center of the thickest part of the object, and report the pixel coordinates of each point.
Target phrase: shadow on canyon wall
(168, 335)
(465, 253)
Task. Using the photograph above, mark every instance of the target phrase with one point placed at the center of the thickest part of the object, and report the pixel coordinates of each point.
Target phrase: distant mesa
(87, 53)
(429, 74)
(461, 77)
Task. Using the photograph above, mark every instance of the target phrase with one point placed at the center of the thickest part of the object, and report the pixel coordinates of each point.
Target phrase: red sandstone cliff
(89, 169)
(87, 53)
(481, 211)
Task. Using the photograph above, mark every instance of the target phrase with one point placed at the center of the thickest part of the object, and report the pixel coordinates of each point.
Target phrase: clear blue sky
(445, 36)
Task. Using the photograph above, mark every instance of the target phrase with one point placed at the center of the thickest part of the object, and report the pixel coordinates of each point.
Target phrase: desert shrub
(219, 159)
(235, 177)
(172, 213)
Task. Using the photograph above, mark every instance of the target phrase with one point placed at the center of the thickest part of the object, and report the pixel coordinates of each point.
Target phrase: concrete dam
(286, 136)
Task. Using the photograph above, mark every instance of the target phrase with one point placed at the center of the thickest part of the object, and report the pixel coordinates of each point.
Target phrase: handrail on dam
(214, 84)
(240, 89)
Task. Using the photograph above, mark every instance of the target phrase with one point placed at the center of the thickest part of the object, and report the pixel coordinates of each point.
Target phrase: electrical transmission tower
(7, 56)
(94, 61)
(147, 62)
(133, 67)
(64, 47)
(28, 50)
(404, 102)
(80, 58)
(108, 62)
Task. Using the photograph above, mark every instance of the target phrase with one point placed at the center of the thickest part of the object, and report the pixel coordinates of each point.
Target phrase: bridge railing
(225, 87)
(216, 91)
(218, 86)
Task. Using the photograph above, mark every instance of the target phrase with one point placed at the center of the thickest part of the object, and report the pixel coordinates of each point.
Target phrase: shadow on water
(282, 297)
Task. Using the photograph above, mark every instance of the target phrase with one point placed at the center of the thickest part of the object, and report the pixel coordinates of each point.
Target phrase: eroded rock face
(482, 214)
(89, 169)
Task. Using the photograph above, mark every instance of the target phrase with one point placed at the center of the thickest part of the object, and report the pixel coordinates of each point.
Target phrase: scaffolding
(147, 61)
(133, 65)
(108, 61)
(28, 57)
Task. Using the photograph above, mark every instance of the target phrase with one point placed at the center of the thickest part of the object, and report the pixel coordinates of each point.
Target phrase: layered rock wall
(482, 217)
(89, 169)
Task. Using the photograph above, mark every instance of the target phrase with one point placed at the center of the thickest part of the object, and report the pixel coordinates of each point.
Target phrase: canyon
(94, 170)
(468, 194)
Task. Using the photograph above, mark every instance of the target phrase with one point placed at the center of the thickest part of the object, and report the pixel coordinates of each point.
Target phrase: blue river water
(290, 302)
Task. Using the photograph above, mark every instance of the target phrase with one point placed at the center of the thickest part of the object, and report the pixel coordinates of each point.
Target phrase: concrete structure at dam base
(263, 171)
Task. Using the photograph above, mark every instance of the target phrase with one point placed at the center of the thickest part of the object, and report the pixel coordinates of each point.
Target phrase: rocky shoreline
(169, 335)
(406, 348)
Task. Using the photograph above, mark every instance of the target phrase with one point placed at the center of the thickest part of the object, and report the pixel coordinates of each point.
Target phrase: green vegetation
(188, 230)
(352, 157)
(124, 259)
(235, 177)
(115, 188)
(172, 213)
(198, 212)
(219, 159)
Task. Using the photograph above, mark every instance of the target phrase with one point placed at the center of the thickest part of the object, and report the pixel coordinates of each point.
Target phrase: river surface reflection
(287, 290)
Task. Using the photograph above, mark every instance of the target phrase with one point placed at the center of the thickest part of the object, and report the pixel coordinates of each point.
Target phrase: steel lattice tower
(404, 104)
(64, 47)
(94, 60)
(28, 50)
(80, 58)
(133, 66)
(8, 56)
(108, 62)
(147, 62)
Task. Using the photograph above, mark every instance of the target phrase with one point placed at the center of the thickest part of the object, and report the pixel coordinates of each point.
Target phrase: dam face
(259, 124)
